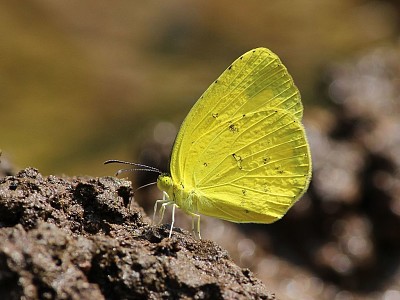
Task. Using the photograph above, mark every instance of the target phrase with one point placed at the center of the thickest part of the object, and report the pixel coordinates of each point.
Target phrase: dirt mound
(75, 238)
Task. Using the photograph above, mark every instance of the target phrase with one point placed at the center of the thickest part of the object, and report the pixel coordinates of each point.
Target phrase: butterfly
(241, 153)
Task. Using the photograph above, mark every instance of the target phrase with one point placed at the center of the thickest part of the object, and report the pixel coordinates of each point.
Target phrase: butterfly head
(164, 183)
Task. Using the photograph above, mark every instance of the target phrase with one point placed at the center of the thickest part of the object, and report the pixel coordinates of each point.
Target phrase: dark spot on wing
(279, 170)
(238, 160)
(233, 128)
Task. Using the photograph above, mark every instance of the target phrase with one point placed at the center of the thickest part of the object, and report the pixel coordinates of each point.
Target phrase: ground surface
(75, 238)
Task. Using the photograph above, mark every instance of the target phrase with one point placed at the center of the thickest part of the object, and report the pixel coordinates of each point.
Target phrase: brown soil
(75, 238)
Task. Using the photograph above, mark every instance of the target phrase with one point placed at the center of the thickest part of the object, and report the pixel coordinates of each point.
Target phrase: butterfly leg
(172, 220)
(161, 211)
(164, 200)
(196, 231)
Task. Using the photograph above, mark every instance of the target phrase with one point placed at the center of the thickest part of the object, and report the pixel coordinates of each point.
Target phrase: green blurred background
(86, 81)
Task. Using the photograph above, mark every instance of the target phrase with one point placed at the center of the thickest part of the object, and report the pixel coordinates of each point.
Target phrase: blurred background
(83, 82)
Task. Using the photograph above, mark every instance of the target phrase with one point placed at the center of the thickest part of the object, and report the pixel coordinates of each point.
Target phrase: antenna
(141, 166)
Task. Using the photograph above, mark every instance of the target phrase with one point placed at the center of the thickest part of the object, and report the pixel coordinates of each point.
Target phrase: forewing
(256, 81)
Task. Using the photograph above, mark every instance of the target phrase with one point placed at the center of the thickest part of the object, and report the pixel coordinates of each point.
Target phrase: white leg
(196, 231)
(172, 220)
(162, 202)
(162, 209)
(198, 226)
(165, 199)
(193, 232)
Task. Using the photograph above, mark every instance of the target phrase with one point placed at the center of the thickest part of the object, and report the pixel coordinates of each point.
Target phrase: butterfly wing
(256, 172)
(254, 83)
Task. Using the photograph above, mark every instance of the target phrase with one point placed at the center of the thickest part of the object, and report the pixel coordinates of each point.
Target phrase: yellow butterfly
(241, 154)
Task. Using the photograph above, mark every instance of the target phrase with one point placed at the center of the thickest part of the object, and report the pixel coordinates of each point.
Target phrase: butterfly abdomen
(187, 198)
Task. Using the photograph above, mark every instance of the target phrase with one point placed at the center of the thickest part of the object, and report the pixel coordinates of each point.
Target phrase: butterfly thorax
(185, 197)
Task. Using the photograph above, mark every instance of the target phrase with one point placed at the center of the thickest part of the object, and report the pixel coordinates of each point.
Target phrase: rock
(75, 238)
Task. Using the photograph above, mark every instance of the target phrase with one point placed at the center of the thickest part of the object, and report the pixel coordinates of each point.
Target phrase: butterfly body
(186, 198)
